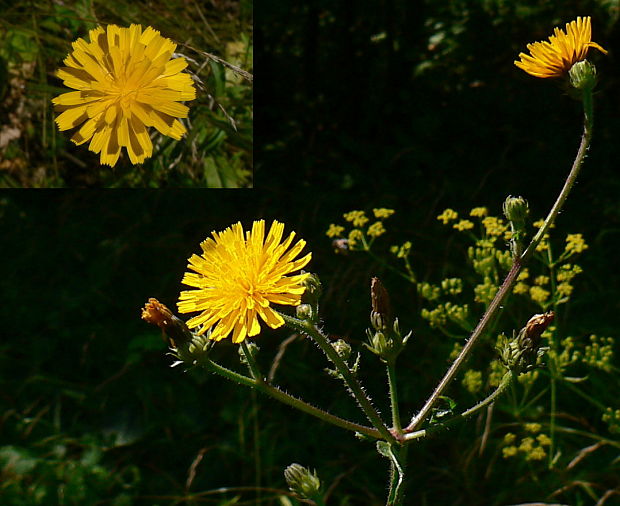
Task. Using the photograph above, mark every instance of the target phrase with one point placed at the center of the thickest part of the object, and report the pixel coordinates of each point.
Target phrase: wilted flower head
(564, 49)
(237, 278)
(126, 82)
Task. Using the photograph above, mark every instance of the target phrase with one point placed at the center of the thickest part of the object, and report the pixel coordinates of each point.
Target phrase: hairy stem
(351, 381)
(518, 263)
(282, 396)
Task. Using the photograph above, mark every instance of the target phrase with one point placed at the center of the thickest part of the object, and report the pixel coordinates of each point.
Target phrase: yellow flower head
(564, 49)
(126, 83)
(238, 276)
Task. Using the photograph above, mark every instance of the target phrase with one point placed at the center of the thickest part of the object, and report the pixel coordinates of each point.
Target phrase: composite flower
(126, 82)
(237, 278)
(555, 57)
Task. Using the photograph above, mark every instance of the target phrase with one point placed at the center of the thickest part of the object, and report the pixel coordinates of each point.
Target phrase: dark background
(434, 115)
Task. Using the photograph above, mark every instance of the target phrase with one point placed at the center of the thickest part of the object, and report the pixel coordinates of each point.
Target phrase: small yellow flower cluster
(612, 418)
(334, 230)
(376, 229)
(541, 280)
(575, 243)
(429, 291)
(485, 291)
(494, 226)
(456, 350)
(479, 212)
(539, 295)
(565, 355)
(357, 218)
(567, 272)
(521, 288)
(447, 216)
(402, 251)
(355, 236)
(472, 381)
(463, 225)
(600, 353)
(531, 448)
(443, 313)
(452, 286)
(382, 213)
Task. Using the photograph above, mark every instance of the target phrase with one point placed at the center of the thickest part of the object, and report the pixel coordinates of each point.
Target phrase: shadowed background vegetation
(36, 36)
(416, 107)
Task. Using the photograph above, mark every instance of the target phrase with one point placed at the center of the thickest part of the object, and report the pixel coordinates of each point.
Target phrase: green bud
(343, 349)
(516, 210)
(196, 350)
(302, 482)
(582, 75)
(313, 289)
(304, 312)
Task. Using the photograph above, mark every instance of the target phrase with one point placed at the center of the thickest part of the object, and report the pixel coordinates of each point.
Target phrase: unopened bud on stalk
(302, 482)
(312, 283)
(381, 314)
(521, 354)
(304, 312)
(516, 211)
(343, 349)
(156, 313)
(582, 75)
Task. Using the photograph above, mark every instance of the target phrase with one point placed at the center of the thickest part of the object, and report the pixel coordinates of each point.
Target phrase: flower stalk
(350, 380)
(518, 262)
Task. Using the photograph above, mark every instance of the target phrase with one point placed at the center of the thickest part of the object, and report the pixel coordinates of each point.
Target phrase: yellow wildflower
(126, 82)
(463, 225)
(521, 288)
(334, 230)
(539, 294)
(494, 226)
(447, 215)
(383, 212)
(376, 229)
(479, 212)
(358, 218)
(354, 236)
(541, 280)
(237, 278)
(564, 49)
(575, 243)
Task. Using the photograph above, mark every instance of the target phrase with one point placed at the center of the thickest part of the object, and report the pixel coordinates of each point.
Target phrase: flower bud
(312, 283)
(381, 314)
(521, 354)
(302, 482)
(304, 311)
(582, 75)
(343, 349)
(156, 313)
(516, 210)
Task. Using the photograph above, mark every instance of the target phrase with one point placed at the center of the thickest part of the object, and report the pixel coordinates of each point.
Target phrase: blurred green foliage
(217, 152)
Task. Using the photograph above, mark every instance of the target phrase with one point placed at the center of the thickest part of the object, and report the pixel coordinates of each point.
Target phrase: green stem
(281, 396)
(511, 277)
(398, 458)
(504, 384)
(391, 373)
(350, 380)
(252, 365)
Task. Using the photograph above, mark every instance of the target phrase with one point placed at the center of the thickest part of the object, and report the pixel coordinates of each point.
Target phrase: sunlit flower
(237, 278)
(334, 230)
(564, 49)
(358, 218)
(376, 229)
(447, 216)
(126, 82)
